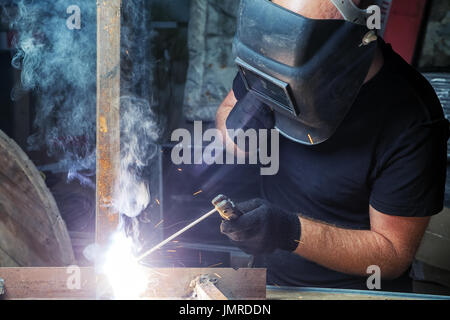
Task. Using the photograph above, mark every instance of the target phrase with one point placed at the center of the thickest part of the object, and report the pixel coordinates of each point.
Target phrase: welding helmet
(307, 71)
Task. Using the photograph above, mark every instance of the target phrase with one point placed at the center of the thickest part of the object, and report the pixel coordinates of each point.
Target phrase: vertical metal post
(108, 108)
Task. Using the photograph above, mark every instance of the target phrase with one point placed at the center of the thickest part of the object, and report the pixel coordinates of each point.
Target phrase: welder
(363, 145)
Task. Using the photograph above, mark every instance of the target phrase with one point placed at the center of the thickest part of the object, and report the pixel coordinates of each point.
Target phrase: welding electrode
(222, 204)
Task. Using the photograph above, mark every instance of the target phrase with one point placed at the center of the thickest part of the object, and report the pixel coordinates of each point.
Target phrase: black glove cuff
(289, 231)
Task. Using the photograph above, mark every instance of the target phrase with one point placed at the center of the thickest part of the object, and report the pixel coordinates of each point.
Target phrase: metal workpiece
(108, 113)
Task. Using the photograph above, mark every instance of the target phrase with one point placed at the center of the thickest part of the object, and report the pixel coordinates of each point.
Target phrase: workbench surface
(292, 293)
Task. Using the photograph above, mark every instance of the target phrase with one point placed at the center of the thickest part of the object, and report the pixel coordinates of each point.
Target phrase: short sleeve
(239, 87)
(410, 180)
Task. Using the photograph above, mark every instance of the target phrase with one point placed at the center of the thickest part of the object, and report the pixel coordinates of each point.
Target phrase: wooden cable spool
(32, 232)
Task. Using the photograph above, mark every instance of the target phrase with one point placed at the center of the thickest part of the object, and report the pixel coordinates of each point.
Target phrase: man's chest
(327, 182)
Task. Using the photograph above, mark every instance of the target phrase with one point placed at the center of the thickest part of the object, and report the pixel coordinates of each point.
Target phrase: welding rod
(222, 204)
(189, 226)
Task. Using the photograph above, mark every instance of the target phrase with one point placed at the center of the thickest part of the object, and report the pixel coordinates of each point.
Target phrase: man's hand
(263, 228)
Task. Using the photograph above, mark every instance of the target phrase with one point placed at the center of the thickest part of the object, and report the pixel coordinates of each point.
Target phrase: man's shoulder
(409, 97)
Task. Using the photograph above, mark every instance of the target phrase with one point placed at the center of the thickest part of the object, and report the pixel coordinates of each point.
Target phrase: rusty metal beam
(108, 109)
(83, 283)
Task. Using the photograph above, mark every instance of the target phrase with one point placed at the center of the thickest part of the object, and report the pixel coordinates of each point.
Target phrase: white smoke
(136, 149)
(59, 65)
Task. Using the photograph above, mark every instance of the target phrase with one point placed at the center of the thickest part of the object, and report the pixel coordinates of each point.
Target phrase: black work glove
(262, 228)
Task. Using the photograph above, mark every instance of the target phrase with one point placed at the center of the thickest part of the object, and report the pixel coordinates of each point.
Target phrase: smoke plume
(58, 64)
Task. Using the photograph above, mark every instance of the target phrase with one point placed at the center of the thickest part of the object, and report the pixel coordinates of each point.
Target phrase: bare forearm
(223, 112)
(221, 123)
(350, 251)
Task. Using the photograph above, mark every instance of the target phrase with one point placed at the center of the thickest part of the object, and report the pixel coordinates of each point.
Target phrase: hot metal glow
(126, 276)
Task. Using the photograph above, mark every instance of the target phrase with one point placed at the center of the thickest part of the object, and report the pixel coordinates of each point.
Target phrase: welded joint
(204, 288)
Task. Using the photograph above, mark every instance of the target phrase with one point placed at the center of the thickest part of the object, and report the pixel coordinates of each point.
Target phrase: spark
(157, 225)
(198, 192)
(179, 169)
(217, 275)
(215, 265)
(171, 250)
(310, 139)
(157, 201)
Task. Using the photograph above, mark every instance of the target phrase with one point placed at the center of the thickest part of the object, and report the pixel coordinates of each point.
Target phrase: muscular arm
(390, 244)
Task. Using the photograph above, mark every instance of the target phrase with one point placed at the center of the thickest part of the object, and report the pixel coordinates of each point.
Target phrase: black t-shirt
(390, 152)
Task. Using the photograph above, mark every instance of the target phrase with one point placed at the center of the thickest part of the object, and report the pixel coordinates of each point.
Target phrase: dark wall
(436, 42)
(6, 85)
